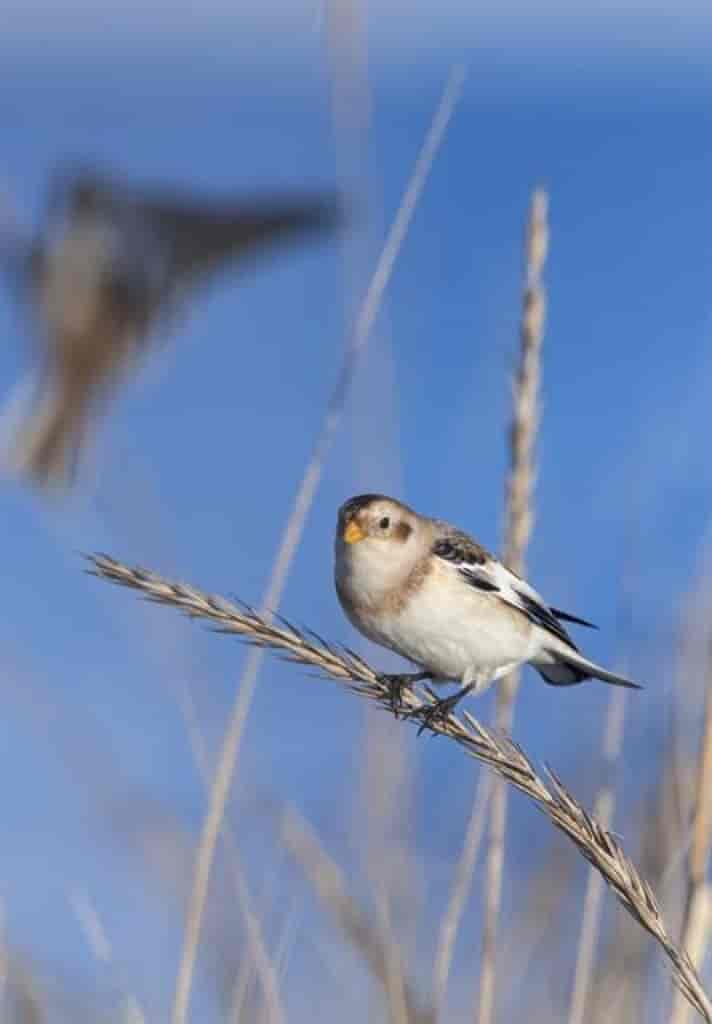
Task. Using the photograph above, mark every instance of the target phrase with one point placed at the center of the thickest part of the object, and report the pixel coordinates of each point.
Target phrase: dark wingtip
(330, 212)
(333, 210)
(324, 211)
(566, 617)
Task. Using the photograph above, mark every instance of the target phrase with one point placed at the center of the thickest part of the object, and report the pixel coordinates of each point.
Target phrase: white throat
(371, 568)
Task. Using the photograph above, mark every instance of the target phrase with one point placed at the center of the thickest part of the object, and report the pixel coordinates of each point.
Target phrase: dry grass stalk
(238, 996)
(519, 522)
(542, 908)
(257, 960)
(331, 887)
(387, 873)
(460, 889)
(98, 941)
(698, 899)
(91, 925)
(4, 959)
(498, 752)
(603, 811)
(525, 415)
(24, 997)
(259, 954)
(383, 775)
(617, 991)
(227, 757)
(624, 965)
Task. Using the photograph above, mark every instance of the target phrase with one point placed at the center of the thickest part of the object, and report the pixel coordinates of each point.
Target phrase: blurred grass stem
(519, 522)
(497, 751)
(227, 757)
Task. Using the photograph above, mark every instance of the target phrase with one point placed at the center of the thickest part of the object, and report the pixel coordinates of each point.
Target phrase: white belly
(469, 633)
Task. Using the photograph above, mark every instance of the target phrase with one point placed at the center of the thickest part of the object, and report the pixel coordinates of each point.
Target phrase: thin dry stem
(258, 960)
(91, 924)
(382, 776)
(227, 757)
(238, 996)
(617, 991)
(542, 906)
(330, 885)
(702, 824)
(603, 809)
(695, 926)
(346, 35)
(28, 999)
(264, 967)
(519, 522)
(98, 941)
(498, 752)
(525, 416)
(460, 890)
(4, 958)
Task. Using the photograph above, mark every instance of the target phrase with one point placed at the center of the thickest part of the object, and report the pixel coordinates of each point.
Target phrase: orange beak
(353, 533)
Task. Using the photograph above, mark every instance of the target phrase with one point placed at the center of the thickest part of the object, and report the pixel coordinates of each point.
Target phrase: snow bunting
(428, 591)
(110, 263)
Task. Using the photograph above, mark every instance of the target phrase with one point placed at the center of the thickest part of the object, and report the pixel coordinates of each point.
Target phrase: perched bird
(111, 264)
(428, 591)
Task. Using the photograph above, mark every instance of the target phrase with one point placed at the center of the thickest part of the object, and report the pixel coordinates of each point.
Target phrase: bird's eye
(385, 523)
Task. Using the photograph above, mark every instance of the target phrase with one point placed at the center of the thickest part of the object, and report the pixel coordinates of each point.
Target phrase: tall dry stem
(497, 751)
(603, 811)
(383, 774)
(698, 898)
(460, 890)
(227, 756)
(518, 526)
(257, 960)
(331, 887)
(352, 104)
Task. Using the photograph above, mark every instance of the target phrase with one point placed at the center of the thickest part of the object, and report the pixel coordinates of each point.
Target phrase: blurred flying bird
(112, 263)
(428, 591)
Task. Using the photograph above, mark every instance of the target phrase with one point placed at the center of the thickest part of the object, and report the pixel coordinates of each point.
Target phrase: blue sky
(198, 461)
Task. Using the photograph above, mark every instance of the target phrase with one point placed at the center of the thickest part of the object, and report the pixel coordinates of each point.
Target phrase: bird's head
(377, 538)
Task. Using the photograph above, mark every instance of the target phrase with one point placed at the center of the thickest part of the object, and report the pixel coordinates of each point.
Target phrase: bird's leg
(440, 709)
(397, 683)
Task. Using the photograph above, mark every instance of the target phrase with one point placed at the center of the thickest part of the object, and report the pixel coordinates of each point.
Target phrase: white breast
(454, 629)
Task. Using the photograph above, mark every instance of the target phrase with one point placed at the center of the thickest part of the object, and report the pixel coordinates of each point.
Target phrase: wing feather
(479, 569)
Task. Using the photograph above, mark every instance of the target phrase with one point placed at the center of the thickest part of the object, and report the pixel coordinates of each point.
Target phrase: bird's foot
(440, 709)
(397, 683)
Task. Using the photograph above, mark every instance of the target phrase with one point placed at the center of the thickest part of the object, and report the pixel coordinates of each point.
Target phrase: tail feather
(47, 445)
(566, 668)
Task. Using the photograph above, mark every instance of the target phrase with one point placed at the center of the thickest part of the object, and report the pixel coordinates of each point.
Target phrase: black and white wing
(481, 570)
